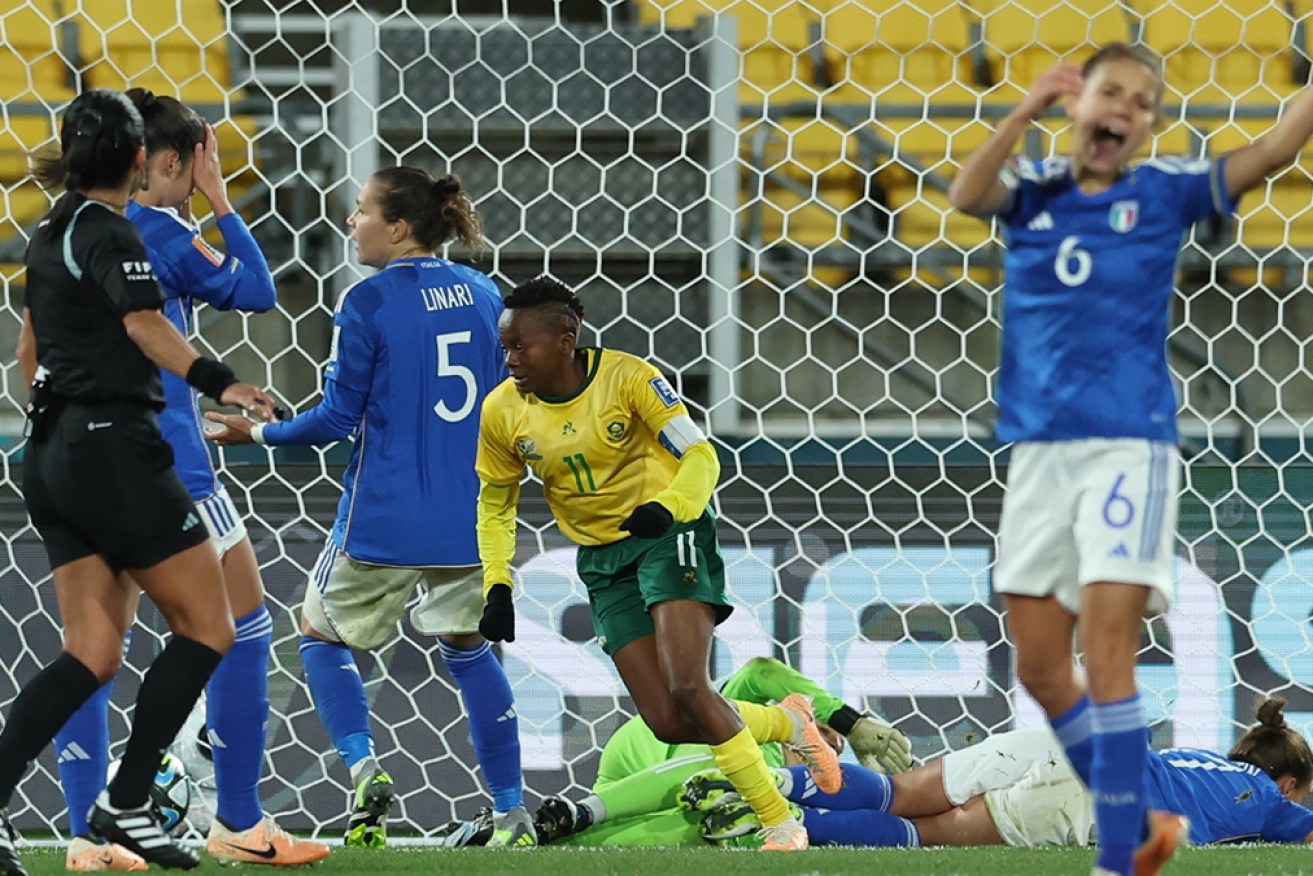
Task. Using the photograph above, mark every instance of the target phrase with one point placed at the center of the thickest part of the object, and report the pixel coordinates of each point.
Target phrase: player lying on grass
(634, 800)
(1019, 789)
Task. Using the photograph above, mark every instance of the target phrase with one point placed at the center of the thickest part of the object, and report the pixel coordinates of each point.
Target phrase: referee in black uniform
(98, 478)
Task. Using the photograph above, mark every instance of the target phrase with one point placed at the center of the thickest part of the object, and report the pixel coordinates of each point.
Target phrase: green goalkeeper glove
(879, 746)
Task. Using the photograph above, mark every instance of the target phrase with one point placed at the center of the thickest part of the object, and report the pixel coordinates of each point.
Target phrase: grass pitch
(1261, 860)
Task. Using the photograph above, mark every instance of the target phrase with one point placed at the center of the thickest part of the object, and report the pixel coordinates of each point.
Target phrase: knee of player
(106, 666)
(1044, 677)
(217, 633)
(222, 636)
(669, 726)
(695, 700)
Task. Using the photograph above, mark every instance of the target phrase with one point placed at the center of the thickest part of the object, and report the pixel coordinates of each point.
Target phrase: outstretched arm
(1247, 166)
(333, 419)
(767, 680)
(164, 345)
(977, 189)
(876, 744)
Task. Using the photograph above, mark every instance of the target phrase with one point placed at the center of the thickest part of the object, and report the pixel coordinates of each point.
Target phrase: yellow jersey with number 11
(600, 453)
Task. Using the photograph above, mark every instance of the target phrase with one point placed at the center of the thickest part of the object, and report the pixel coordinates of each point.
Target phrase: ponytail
(438, 209)
(98, 142)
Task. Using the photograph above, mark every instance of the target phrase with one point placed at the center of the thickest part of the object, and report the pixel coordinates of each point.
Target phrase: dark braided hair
(543, 291)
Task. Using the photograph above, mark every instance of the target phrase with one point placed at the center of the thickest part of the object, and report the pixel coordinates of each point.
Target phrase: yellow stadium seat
(1176, 138)
(1029, 36)
(898, 50)
(923, 219)
(32, 67)
(1214, 53)
(23, 203)
(817, 157)
(776, 38)
(786, 24)
(20, 136)
(178, 48)
(1279, 214)
(807, 223)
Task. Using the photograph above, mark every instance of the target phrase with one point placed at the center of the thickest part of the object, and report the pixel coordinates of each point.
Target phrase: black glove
(649, 520)
(498, 621)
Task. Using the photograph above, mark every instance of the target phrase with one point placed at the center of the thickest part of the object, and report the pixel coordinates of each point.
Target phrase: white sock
(361, 768)
(786, 781)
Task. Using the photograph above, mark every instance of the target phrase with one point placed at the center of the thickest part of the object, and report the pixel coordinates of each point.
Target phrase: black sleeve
(115, 259)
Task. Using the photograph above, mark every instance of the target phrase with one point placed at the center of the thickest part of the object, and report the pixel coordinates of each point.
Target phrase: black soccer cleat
(9, 863)
(475, 832)
(138, 830)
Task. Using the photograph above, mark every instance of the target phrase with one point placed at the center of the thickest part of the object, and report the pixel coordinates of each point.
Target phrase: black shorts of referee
(103, 483)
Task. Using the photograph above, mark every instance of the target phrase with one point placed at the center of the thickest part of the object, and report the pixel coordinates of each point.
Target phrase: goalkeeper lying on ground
(634, 800)
(1018, 788)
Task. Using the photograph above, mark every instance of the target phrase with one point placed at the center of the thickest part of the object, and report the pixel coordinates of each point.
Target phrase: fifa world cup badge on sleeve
(664, 391)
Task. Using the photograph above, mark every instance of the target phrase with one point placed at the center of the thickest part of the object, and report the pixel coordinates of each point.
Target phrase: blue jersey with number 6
(415, 350)
(1088, 287)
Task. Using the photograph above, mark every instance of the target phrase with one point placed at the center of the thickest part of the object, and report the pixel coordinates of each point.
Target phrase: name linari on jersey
(447, 297)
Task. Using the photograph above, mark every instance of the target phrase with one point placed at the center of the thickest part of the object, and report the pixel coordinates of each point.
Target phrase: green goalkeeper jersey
(634, 747)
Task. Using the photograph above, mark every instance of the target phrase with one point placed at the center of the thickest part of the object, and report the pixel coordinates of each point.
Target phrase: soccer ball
(171, 794)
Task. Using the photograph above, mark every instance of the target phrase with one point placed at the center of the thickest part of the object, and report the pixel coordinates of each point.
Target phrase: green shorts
(627, 578)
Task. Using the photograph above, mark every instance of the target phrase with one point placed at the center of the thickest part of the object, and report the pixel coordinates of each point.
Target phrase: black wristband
(843, 719)
(210, 376)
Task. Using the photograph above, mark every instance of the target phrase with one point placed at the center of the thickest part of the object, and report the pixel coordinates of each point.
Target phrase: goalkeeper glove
(649, 520)
(879, 746)
(498, 621)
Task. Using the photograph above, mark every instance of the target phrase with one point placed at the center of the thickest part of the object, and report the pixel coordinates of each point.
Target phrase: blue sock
(1075, 731)
(237, 709)
(862, 789)
(859, 827)
(1117, 780)
(339, 696)
(83, 746)
(494, 728)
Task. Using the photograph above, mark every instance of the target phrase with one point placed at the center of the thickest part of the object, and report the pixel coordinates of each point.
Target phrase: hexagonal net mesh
(751, 193)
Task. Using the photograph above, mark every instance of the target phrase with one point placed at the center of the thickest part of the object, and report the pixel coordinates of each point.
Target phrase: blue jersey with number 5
(415, 350)
(1085, 308)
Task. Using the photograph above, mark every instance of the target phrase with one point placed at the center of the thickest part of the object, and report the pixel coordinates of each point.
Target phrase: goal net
(751, 194)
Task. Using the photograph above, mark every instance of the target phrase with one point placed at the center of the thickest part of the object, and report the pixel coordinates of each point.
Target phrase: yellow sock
(739, 758)
(766, 723)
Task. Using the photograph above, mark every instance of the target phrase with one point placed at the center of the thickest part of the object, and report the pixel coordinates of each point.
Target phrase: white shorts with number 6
(1076, 512)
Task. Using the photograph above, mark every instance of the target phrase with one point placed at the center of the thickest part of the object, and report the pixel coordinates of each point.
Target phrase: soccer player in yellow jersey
(628, 476)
